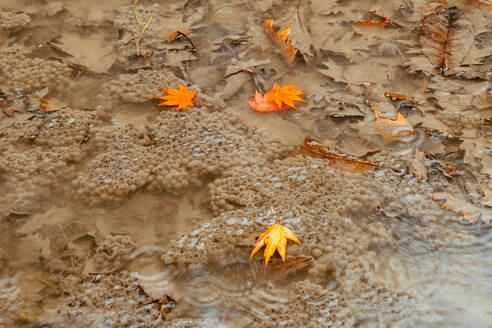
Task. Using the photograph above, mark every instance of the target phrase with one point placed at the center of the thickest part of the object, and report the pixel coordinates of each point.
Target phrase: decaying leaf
(50, 104)
(181, 97)
(277, 98)
(396, 96)
(376, 21)
(317, 148)
(417, 165)
(275, 239)
(470, 212)
(280, 39)
(9, 107)
(93, 51)
(446, 38)
(391, 130)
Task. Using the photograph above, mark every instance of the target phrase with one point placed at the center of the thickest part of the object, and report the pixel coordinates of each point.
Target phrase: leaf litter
(383, 79)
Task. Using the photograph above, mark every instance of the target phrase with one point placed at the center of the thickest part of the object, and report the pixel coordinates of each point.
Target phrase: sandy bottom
(116, 212)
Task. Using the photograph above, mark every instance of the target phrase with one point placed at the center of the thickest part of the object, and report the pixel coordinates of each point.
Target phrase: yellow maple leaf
(275, 238)
(181, 97)
(282, 96)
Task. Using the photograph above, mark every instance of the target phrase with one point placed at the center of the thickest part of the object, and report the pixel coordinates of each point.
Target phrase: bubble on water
(108, 301)
(52, 122)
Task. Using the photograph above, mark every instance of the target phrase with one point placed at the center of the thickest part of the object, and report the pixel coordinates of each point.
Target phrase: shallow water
(52, 235)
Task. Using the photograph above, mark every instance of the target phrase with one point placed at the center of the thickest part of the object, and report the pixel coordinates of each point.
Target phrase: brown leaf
(470, 212)
(10, 107)
(446, 38)
(417, 166)
(50, 104)
(317, 148)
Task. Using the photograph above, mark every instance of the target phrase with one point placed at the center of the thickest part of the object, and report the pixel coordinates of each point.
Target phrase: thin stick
(135, 12)
(142, 33)
(193, 48)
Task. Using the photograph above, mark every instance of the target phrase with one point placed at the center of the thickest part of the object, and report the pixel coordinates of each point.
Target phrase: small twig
(142, 33)
(135, 12)
(181, 34)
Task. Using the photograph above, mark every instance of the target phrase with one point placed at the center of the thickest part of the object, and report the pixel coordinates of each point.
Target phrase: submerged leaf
(446, 38)
(50, 104)
(470, 212)
(391, 130)
(275, 239)
(181, 97)
(280, 39)
(316, 147)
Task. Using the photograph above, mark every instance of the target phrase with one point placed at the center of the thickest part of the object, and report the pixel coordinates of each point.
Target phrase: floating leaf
(277, 98)
(280, 39)
(275, 238)
(181, 97)
(285, 96)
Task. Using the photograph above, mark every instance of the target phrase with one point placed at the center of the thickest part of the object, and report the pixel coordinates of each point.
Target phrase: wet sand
(109, 202)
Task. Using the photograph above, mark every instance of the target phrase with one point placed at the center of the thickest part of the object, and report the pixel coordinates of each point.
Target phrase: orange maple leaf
(285, 96)
(277, 98)
(181, 97)
(263, 103)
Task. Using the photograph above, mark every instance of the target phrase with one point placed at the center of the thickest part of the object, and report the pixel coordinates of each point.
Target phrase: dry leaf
(49, 105)
(275, 238)
(470, 212)
(181, 97)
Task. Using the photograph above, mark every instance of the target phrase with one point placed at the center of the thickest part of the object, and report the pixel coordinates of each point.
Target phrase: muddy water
(66, 253)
